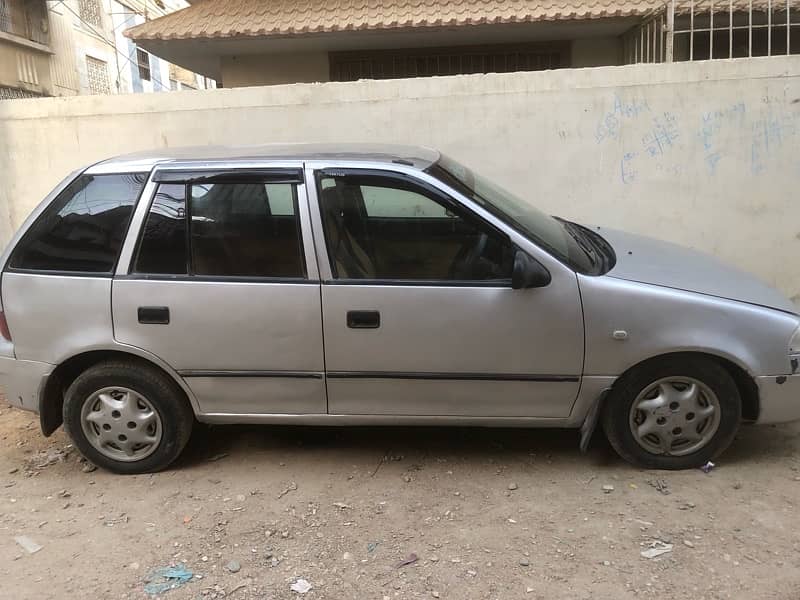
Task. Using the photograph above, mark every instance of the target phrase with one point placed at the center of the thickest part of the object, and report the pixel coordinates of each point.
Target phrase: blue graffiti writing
(610, 123)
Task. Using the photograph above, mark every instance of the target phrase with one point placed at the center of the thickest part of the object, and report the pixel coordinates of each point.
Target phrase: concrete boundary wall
(705, 154)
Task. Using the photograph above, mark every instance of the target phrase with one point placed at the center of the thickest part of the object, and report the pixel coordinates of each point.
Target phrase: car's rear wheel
(677, 412)
(127, 417)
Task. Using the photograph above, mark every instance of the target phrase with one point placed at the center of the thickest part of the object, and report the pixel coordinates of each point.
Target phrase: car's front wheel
(678, 412)
(127, 417)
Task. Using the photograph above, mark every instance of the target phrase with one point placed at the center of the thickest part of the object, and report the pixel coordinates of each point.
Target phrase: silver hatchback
(362, 285)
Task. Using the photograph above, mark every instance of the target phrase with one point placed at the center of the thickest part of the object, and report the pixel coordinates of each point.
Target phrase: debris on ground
(512, 486)
(28, 544)
(608, 488)
(657, 548)
(341, 505)
(706, 468)
(233, 566)
(524, 562)
(409, 560)
(301, 586)
(88, 468)
(660, 485)
(292, 487)
(688, 544)
(45, 458)
(164, 579)
(371, 547)
(217, 457)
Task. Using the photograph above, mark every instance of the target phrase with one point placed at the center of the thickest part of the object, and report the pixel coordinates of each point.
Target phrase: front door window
(385, 227)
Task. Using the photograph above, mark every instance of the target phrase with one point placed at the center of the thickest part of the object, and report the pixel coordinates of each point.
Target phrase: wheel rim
(675, 416)
(121, 424)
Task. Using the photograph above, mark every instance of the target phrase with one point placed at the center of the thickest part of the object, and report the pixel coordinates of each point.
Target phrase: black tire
(616, 411)
(165, 396)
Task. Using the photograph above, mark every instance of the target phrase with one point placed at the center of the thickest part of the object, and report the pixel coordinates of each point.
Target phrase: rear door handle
(363, 319)
(154, 315)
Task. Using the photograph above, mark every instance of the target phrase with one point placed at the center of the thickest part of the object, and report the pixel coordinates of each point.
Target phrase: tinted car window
(384, 227)
(83, 228)
(162, 250)
(234, 230)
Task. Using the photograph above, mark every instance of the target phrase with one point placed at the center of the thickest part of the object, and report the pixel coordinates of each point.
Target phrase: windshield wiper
(582, 239)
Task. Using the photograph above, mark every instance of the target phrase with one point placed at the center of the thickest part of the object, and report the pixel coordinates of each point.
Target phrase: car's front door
(223, 286)
(419, 314)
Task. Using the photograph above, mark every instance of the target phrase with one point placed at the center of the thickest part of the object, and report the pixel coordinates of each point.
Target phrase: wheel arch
(51, 399)
(745, 383)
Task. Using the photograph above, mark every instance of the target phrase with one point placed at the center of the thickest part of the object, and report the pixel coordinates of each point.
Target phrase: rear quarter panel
(661, 320)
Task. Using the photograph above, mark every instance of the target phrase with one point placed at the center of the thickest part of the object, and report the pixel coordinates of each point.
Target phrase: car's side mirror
(528, 272)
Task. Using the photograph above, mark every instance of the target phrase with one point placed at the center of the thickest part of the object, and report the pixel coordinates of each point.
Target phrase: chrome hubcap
(675, 416)
(121, 424)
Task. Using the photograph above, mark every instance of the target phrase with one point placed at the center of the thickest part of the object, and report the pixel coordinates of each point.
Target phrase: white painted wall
(704, 154)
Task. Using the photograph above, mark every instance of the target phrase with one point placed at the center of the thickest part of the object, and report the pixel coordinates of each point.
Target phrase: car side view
(370, 285)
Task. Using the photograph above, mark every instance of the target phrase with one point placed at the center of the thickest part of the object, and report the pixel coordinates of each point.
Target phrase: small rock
(347, 556)
(233, 566)
(608, 488)
(12, 471)
(435, 594)
(301, 586)
(524, 562)
(472, 573)
(737, 485)
(606, 563)
(88, 468)
(688, 543)
(512, 486)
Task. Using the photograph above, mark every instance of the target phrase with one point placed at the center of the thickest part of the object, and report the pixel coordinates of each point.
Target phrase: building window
(97, 74)
(173, 85)
(143, 62)
(89, 11)
(10, 93)
(5, 16)
(458, 60)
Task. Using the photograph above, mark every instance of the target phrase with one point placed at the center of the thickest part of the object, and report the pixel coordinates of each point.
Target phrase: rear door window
(83, 228)
(223, 229)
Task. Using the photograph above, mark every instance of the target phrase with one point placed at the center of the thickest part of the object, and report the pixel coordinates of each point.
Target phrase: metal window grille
(97, 75)
(27, 19)
(89, 11)
(10, 93)
(710, 29)
(5, 16)
(143, 63)
(427, 62)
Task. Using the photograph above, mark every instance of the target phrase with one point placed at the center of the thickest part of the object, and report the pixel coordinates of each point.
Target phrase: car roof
(418, 157)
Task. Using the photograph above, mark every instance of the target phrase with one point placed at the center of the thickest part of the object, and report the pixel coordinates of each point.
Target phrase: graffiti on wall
(655, 140)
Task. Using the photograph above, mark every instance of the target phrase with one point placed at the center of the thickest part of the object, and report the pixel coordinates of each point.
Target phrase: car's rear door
(420, 318)
(222, 284)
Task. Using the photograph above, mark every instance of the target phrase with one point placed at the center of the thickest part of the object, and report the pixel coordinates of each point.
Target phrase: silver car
(364, 285)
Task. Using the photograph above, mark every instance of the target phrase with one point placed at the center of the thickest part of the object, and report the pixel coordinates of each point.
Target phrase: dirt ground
(489, 514)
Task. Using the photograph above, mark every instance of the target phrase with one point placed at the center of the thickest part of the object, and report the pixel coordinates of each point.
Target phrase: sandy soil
(489, 514)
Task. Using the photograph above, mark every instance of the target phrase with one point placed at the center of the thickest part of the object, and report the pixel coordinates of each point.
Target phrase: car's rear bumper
(22, 380)
(779, 399)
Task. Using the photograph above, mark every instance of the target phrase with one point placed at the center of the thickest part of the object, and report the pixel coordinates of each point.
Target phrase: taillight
(4, 326)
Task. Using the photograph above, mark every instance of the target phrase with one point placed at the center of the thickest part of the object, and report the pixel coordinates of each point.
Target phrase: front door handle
(154, 315)
(363, 319)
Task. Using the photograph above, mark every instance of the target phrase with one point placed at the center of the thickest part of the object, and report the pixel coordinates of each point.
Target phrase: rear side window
(83, 228)
(234, 230)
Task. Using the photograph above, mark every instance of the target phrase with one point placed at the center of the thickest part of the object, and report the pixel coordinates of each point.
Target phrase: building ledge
(25, 43)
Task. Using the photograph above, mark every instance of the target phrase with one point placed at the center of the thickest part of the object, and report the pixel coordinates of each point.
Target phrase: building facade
(75, 47)
(253, 42)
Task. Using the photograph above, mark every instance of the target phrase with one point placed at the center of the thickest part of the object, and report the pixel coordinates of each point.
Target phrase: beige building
(75, 47)
(251, 42)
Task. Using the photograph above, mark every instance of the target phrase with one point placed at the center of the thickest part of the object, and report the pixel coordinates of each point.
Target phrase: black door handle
(363, 319)
(154, 315)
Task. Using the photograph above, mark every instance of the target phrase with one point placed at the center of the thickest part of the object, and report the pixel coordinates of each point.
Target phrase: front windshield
(553, 235)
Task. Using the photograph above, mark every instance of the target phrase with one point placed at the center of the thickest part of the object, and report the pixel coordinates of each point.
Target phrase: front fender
(658, 320)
